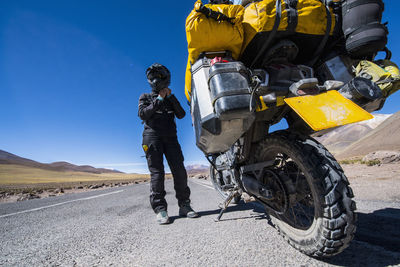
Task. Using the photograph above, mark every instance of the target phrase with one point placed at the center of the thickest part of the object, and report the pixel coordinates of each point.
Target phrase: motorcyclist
(158, 110)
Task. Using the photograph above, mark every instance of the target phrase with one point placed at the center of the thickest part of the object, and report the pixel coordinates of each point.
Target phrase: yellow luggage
(212, 28)
(384, 73)
(308, 23)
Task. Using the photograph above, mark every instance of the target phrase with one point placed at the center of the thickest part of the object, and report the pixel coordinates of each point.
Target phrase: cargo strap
(371, 25)
(388, 53)
(215, 15)
(322, 44)
(291, 9)
(292, 13)
(278, 8)
(363, 2)
(230, 70)
(388, 80)
(230, 93)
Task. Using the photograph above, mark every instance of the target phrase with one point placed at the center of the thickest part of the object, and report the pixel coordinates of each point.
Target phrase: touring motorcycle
(299, 182)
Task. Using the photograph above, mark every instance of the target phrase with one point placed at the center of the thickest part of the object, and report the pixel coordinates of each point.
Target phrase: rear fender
(327, 110)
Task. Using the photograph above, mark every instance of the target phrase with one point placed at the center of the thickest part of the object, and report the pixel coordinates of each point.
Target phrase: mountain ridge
(385, 137)
(337, 140)
(195, 169)
(9, 158)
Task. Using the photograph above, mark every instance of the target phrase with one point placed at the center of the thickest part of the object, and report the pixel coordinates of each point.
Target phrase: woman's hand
(164, 92)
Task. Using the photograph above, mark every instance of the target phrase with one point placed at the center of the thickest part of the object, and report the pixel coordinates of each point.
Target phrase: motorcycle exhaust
(364, 93)
(252, 186)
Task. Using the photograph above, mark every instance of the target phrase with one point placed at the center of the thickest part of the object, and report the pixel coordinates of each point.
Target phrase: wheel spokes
(301, 209)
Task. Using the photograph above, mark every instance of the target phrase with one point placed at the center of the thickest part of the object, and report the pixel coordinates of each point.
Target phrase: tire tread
(339, 219)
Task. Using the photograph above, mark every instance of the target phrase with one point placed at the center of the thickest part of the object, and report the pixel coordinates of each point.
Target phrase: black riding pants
(156, 147)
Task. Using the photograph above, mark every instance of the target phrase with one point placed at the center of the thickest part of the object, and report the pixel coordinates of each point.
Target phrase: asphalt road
(117, 227)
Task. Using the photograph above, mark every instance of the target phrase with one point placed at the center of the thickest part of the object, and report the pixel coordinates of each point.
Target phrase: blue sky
(71, 73)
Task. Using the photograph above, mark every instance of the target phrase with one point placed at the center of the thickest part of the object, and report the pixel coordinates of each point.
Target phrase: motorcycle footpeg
(305, 87)
(227, 187)
(247, 198)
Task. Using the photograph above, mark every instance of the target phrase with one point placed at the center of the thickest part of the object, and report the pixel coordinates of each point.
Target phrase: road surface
(117, 227)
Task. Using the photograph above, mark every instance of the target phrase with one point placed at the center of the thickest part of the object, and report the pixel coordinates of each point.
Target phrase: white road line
(58, 204)
(202, 184)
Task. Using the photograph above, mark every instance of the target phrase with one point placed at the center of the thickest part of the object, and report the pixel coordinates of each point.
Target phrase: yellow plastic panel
(327, 110)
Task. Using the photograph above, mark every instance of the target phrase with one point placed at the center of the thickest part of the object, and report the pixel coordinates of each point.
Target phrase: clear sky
(71, 73)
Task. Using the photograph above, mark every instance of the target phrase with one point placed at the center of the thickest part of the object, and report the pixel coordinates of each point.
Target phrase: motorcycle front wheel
(313, 209)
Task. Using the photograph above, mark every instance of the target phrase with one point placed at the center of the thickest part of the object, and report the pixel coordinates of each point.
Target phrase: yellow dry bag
(308, 23)
(212, 28)
(384, 73)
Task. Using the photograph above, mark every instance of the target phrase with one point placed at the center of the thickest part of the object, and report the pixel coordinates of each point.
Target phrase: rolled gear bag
(308, 23)
(364, 33)
(212, 28)
(384, 73)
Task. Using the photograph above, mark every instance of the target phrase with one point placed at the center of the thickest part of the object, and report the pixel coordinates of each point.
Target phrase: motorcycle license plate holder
(327, 110)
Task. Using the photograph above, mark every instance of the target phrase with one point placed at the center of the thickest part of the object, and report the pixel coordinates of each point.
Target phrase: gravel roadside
(378, 182)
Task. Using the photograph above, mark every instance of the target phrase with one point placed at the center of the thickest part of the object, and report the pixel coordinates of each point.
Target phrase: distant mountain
(8, 158)
(342, 137)
(197, 169)
(384, 137)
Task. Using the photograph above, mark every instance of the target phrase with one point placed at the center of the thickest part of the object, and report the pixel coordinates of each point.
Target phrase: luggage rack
(210, 54)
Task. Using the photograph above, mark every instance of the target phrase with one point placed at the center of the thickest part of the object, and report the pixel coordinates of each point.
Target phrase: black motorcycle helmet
(158, 77)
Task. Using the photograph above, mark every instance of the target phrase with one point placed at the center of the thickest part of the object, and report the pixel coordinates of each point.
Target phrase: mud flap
(327, 110)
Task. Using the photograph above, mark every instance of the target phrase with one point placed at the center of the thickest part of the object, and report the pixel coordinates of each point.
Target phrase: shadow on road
(376, 242)
(380, 228)
(259, 212)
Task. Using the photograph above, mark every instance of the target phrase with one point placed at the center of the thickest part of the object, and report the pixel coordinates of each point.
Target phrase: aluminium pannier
(220, 115)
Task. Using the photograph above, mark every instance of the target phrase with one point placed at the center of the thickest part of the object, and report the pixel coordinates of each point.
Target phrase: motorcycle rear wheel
(318, 217)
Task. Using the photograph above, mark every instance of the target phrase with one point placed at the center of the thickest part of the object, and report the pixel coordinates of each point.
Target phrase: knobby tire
(334, 221)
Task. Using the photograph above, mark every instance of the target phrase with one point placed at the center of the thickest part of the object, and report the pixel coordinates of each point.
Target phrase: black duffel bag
(362, 28)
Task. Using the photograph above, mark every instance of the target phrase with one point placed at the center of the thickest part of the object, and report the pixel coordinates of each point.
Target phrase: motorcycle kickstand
(225, 204)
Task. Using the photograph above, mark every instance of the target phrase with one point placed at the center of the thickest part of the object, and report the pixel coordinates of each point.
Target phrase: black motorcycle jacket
(159, 115)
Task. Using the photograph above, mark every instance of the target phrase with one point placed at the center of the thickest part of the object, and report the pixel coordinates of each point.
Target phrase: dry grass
(350, 161)
(21, 175)
(360, 161)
